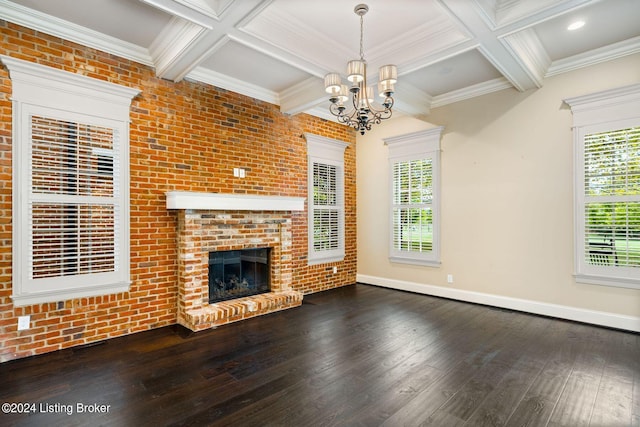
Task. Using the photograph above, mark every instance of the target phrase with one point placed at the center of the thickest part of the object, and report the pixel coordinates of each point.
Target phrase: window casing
(326, 199)
(70, 184)
(414, 165)
(607, 187)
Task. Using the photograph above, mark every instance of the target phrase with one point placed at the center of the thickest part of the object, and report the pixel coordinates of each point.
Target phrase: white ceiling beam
(171, 46)
(276, 52)
(515, 30)
(189, 12)
(474, 22)
(192, 38)
(527, 49)
(527, 14)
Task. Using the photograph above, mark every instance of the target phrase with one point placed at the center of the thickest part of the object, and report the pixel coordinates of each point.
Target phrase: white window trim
(608, 110)
(40, 88)
(414, 146)
(331, 152)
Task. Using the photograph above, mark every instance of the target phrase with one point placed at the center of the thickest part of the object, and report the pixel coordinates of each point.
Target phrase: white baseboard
(601, 318)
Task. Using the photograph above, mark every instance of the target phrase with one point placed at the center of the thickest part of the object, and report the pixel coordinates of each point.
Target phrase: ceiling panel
(606, 22)
(464, 70)
(327, 33)
(243, 63)
(279, 50)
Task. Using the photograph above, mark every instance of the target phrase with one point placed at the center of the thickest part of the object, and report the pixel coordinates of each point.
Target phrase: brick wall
(184, 136)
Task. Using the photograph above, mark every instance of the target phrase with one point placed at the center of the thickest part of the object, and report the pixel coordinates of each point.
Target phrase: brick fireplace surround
(219, 222)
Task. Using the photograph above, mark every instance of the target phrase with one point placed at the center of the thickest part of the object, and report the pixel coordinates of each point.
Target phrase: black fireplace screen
(236, 274)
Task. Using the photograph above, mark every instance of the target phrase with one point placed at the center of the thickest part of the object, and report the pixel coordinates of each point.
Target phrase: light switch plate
(24, 322)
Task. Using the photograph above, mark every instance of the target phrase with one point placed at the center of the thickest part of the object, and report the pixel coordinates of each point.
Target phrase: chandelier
(363, 114)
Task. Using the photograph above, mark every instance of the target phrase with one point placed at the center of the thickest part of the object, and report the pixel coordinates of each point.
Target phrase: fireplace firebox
(238, 273)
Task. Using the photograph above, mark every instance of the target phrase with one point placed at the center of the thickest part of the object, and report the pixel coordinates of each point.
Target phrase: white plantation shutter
(73, 208)
(607, 188)
(71, 184)
(612, 197)
(414, 164)
(412, 205)
(326, 199)
(326, 210)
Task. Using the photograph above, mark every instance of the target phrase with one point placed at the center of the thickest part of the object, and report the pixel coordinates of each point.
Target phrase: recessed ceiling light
(575, 25)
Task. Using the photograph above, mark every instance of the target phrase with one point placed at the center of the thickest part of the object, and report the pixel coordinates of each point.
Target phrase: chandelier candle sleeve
(362, 113)
(366, 100)
(385, 89)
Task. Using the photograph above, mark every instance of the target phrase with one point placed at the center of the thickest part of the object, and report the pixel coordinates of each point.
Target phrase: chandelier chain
(361, 37)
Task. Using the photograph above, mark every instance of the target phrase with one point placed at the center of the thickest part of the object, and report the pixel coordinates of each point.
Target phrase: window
(70, 184)
(607, 187)
(414, 164)
(326, 199)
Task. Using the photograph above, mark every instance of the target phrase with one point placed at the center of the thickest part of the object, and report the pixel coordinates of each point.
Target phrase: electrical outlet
(335, 269)
(24, 322)
(449, 278)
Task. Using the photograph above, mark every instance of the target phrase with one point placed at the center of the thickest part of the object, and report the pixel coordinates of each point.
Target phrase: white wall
(507, 222)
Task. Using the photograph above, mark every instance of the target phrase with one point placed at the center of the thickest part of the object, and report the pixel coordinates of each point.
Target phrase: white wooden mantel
(232, 202)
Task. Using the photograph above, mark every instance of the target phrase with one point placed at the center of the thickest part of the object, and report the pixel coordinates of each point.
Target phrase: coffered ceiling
(279, 50)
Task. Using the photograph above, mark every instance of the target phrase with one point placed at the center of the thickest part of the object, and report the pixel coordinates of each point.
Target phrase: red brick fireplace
(220, 222)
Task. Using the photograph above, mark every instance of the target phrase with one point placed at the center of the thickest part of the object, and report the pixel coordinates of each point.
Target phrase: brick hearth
(201, 231)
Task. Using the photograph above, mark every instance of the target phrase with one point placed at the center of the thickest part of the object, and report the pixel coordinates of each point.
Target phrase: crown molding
(322, 111)
(473, 91)
(596, 56)
(66, 30)
(302, 96)
(411, 100)
(223, 81)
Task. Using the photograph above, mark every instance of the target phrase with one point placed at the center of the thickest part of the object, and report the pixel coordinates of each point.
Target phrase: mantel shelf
(232, 202)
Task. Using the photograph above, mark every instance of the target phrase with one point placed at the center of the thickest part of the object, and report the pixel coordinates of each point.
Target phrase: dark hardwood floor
(356, 356)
